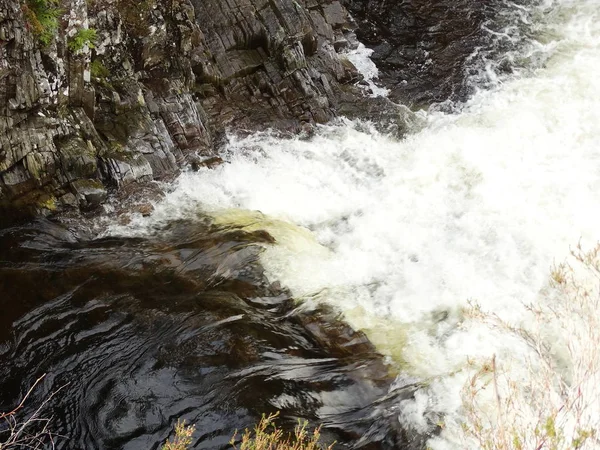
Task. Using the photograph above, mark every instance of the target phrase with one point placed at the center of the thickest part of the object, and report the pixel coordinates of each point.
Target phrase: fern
(83, 37)
(42, 18)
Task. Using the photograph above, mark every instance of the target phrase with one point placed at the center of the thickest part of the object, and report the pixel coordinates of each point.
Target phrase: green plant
(183, 437)
(266, 436)
(83, 37)
(42, 18)
(550, 400)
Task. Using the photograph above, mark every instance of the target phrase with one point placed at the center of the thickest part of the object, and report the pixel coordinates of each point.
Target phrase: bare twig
(19, 435)
(498, 403)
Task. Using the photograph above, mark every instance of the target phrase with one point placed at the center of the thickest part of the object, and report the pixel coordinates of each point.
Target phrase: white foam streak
(360, 57)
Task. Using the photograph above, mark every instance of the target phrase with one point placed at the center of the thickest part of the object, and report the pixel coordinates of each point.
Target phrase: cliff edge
(103, 94)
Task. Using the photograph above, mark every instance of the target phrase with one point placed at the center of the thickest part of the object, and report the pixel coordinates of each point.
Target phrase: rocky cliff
(103, 94)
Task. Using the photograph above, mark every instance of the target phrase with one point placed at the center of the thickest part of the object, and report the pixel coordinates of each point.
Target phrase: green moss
(117, 150)
(83, 37)
(47, 202)
(98, 70)
(135, 15)
(42, 18)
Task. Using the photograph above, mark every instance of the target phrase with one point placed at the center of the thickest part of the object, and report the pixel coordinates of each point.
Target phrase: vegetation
(551, 400)
(83, 37)
(31, 432)
(182, 439)
(266, 436)
(42, 18)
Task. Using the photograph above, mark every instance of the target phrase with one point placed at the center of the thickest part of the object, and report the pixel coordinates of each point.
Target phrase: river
(399, 237)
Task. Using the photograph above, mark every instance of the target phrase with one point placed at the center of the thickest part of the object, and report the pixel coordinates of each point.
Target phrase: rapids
(473, 207)
(136, 334)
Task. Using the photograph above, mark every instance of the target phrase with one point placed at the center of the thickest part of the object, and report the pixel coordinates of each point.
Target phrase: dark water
(143, 332)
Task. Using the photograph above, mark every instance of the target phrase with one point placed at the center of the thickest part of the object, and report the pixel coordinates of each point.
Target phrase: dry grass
(266, 436)
(552, 399)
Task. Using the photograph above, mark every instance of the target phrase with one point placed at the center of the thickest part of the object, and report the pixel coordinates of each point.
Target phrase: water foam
(360, 57)
(475, 207)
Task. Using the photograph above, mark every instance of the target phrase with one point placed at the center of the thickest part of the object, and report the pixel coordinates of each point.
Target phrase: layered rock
(153, 86)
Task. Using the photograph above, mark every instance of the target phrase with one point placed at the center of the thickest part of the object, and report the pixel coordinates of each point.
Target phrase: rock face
(127, 91)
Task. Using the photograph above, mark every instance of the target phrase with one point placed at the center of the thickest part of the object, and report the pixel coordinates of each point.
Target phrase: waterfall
(404, 235)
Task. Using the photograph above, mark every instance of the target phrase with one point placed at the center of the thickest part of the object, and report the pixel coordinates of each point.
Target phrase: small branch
(498, 403)
(13, 412)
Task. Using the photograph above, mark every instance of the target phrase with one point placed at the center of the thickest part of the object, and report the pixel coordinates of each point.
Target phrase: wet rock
(70, 200)
(421, 47)
(210, 162)
(145, 209)
(335, 14)
(386, 116)
(126, 169)
(90, 193)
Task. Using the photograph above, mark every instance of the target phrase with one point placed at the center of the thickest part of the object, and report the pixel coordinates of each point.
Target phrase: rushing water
(171, 317)
(474, 207)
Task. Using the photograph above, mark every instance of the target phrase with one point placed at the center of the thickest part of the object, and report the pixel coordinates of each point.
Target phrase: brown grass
(183, 437)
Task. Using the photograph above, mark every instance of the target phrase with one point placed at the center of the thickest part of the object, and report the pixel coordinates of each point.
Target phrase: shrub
(266, 436)
(83, 37)
(183, 437)
(552, 400)
(42, 18)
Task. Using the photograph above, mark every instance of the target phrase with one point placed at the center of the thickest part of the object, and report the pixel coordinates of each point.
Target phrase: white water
(478, 205)
(360, 57)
